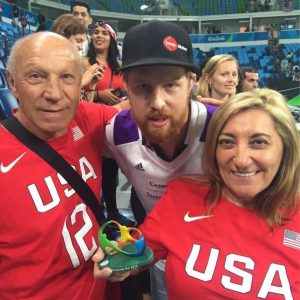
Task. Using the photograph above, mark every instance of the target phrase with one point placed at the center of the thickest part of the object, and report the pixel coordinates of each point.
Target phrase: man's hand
(106, 273)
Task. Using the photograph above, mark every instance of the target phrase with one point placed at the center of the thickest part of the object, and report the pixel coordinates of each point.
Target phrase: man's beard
(163, 134)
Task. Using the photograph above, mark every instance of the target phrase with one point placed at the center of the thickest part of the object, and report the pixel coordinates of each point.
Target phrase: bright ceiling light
(144, 6)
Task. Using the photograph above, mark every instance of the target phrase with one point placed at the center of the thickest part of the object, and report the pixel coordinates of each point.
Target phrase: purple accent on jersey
(125, 129)
(210, 110)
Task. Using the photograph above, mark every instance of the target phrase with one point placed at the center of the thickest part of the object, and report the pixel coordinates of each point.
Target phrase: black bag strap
(55, 160)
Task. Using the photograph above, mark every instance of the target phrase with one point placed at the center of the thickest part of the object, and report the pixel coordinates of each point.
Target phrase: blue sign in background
(229, 37)
(290, 34)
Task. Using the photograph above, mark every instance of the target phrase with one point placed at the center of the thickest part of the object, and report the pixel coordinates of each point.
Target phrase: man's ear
(12, 84)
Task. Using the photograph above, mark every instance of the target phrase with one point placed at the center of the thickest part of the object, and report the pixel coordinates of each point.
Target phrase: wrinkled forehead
(47, 48)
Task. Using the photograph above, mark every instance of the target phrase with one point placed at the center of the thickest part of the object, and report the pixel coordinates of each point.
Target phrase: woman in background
(219, 78)
(103, 50)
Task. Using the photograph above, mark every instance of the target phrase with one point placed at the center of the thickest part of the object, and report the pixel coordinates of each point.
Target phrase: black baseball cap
(157, 43)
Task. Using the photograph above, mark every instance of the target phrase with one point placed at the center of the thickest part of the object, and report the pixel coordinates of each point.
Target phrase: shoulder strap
(55, 160)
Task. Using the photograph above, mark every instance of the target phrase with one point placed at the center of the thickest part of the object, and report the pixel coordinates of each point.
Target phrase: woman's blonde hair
(280, 198)
(209, 69)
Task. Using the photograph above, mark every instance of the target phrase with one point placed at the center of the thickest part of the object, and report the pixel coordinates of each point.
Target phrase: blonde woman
(219, 78)
(238, 236)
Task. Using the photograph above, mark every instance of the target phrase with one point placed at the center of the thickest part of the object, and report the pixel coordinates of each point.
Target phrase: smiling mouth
(244, 174)
(51, 111)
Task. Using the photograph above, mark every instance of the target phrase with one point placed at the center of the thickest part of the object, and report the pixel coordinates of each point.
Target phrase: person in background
(220, 77)
(69, 26)
(284, 65)
(250, 207)
(119, 45)
(162, 136)
(271, 32)
(42, 23)
(103, 50)
(23, 24)
(290, 59)
(15, 13)
(81, 10)
(260, 5)
(50, 234)
(249, 79)
(1, 12)
(109, 90)
(194, 93)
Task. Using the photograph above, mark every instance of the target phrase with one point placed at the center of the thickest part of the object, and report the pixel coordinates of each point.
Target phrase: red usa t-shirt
(230, 253)
(47, 234)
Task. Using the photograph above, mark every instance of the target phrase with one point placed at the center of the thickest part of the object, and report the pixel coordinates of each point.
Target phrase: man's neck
(168, 150)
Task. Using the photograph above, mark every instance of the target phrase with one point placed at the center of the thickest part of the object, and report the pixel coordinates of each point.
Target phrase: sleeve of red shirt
(152, 228)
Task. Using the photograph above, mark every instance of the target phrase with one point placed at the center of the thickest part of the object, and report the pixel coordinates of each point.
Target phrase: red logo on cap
(170, 43)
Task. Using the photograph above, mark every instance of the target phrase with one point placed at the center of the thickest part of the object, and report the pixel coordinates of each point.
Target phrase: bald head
(44, 73)
(41, 43)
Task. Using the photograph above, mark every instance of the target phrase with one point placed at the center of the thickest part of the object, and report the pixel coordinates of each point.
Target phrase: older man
(47, 233)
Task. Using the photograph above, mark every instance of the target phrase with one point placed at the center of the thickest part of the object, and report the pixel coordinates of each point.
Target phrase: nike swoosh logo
(187, 218)
(5, 169)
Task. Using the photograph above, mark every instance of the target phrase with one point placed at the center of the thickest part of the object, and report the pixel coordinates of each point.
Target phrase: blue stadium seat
(209, 7)
(260, 57)
(7, 100)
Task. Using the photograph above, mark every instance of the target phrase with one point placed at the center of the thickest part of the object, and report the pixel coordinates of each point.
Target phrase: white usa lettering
(44, 205)
(80, 243)
(245, 286)
(267, 288)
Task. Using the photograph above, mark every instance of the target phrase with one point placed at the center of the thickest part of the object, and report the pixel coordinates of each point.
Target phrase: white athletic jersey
(147, 172)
